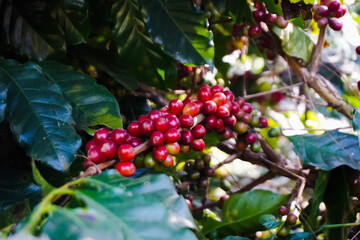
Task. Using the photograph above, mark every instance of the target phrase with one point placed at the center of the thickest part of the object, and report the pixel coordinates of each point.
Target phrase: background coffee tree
(71, 67)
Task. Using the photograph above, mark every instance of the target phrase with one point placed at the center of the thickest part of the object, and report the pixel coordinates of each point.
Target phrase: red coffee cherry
(240, 101)
(247, 108)
(157, 139)
(108, 149)
(119, 136)
(126, 153)
(154, 115)
(134, 141)
(101, 135)
(91, 144)
(263, 122)
(126, 169)
(169, 161)
(210, 121)
(186, 137)
(186, 121)
(219, 98)
(198, 145)
(147, 127)
(210, 107)
(174, 122)
(191, 109)
(134, 129)
(162, 124)
(230, 120)
(160, 153)
(173, 148)
(95, 155)
(172, 135)
(176, 106)
(198, 131)
(250, 138)
(215, 89)
(204, 94)
(222, 112)
(229, 95)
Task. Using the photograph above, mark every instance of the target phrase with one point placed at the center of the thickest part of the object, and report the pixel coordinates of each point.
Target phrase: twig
(96, 169)
(229, 159)
(315, 61)
(269, 151)
(152, 94)
(255, 182)
(272, 91)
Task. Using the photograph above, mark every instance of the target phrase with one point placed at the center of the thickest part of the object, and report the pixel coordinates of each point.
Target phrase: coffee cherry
(340, 12)
(263, 123)
(142, 118)
(283, 210)
(119, 136)
(139, 160)
(219, 125)
(186, 121)
(274, 132)
(230, 121)
(162, 124)
(240, 114)
(126, 169)
(169, 161)
(191, 109)
(184, 148)
(204, 94)
(250, 138)
(126, 153)
(270, 18)
(158, 167)
(173, 148)
(247, 108)
(270, 54)
(160, 153)
(234, 108)
(149, 160)
(241, 146)
(175, 106)
(135, 141)
(91, 144)
(247, 118)
(219, 98)
(254, 31)
(357, 50)
(200, 105)
(255, 147)
(210, 121)
(222, 112)
(258, 15)
(154, 115)
(335, 24)
(108, 149)
(198, 145)
(147, 127)
(95, 155)
(322, 22)
(174, 122)
(101, 135)
(210, 107)
(254, 121)
(134, 129)
(240, 127)
(216, 89)
(87, 163)
(240, 101)
(334, 6)
(229, 95)
(281, 22)
(172, 135)
(186, 137)
(323, 11)
(291, 218)
(227, 133)
(188, 203)
(157, 139)
(284, 231)
(198, 131)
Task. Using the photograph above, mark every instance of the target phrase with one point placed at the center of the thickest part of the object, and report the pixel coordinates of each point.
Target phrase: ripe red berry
(263, 122)
(172, 135)
(175, 106)
(204, 94)
(95, 155)
(198, 131)
(222, 112)
(227, 104)
(119, 136)
(126, 169)
(160, 153)
(101, 135)
(162, 124)
(227, 133)
(219, 98)
(283, 210)
(186, 121)
(254, 31)
(91, 144)
(186, 137)
(322, 22)
(147, 127)
(322, 11)
(174, 122)
(240, 114)
(134, 129)
(335, 24)
(258, 15)
(357, 50)
(210, 107)
(247, 107)
(126, 153)
(230, 121)
(229, 95)
(210, 121)
(134, 141)
(250, 138)
(192, 109)
(198, 144)
(215, 89)
(219, 125)
(173, 148)
(247, 118)
(169, 161)
(334, 6)
(154, 115)
(108, 149)
(157, 139)
(340, 12)
(270, 18)
(199, 104)
(234, 108)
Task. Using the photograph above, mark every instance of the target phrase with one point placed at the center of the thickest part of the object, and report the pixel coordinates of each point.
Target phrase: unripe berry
(126, 153)
(173, 148)
(281, 22)
(169, 161)
(149, 160)
(240, 127)
(291, 218)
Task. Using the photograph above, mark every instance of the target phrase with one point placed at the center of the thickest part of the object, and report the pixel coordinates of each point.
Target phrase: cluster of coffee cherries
(291, 219)
(178, 127)
(329, 12)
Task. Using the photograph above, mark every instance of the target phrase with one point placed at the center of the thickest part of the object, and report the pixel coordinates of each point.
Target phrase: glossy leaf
(72, 15)
(295, 42)
(3, 96)
(122, 208)
(184, 36)
(294, 236)
(269, 221)
(28, 27)
(135, 47)
(329, 150)
(92, 103)
(242, 212)
(39, 116)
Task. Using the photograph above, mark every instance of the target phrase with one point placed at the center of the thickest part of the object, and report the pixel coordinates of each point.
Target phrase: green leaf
(135, 47)
(92, 104)
(235, 238)
(220, 40)
(239, 11)
(3, 96)
(14, 214)
(295, 236)
(356, 120)
(310, 213)
(45, 186)
(30, 29)
(273, 6)
(123, 208)
(184, 36)
(295, 42)
(72, 16)
(269, 221)
(39, 116)
(242, 212)
(329, 150)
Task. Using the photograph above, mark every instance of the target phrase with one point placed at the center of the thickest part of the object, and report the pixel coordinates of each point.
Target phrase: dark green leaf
(329, 150)
(235, 238)
(39, 116)
(184, 36)
(92, 104)
(122, 208)
(269, 221)
(3, 94)
(220, 40)
(295, 42)
(339, 206)
(239, 11)
(28, 27)
(310, 213)
(273, 6)
(242, 212)
(14, 214)
(72, 16)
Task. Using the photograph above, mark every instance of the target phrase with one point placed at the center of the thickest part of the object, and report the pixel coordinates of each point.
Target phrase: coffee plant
(179, 119)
